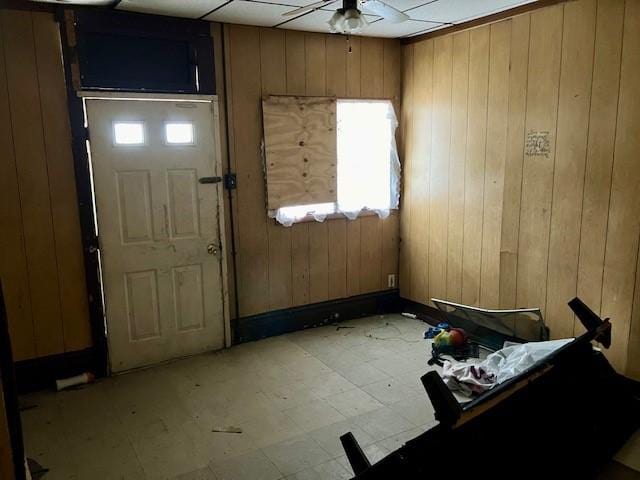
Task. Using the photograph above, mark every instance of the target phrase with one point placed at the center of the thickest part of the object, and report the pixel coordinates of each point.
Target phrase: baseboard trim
(289, 320)
(41, 373)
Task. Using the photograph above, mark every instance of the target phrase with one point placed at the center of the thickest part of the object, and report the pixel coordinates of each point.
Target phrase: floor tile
(390, 391)
(250, 466)
(332, 470)
(314, 415)
(353, 402)
(296, 454)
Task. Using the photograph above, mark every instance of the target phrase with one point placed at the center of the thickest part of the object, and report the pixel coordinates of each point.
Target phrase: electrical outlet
(391, 280)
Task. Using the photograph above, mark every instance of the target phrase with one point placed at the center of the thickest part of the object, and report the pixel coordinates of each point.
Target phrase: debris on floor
(227, 429)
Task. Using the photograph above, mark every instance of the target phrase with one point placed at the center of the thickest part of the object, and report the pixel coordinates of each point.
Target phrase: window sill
(335, 216)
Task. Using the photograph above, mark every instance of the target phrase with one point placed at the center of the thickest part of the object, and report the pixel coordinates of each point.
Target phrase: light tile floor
(293, 396)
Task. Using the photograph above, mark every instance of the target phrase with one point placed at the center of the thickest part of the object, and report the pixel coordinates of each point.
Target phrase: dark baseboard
(269, 324)
(41, 373)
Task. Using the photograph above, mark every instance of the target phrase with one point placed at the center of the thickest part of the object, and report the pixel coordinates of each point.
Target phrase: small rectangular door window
(179, 133)
(128, 133)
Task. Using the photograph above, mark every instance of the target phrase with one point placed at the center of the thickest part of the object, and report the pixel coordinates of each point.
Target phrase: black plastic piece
(446, 407)
(358, 460)
(230, 182)
(592, 322)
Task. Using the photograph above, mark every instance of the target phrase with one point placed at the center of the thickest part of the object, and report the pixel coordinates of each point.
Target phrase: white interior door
(159, 228)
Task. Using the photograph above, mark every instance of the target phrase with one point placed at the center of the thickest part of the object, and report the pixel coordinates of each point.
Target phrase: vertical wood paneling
(62, 188)
(457, 156)
(253, 248)
(602, 132)
(439, 177)
(309, 262)
(336, 58)
(274, 82)
(421, 145)
(353, 226)
(551, 226)
(406, 159)
(474, 168)
(371, 86)
(537, 186)
(13, 259)
(624, 216)
(390, 225)
(571, 147)
(496, 151)
(30, 156)
(296, 85)
(510, 230)
(318, 238)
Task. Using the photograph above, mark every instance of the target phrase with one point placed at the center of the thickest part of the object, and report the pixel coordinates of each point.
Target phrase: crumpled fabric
(479, 376)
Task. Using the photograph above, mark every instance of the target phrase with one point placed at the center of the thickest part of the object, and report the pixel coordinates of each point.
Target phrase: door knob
(212, 249)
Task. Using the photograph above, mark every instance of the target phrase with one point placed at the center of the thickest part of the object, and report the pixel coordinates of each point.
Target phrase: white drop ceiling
(425, 15)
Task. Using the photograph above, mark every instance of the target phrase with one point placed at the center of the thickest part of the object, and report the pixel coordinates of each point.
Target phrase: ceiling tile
(456, 11)
(316, 21)
(249, 13)
(189, 9)
(395, 30)
(294, 3)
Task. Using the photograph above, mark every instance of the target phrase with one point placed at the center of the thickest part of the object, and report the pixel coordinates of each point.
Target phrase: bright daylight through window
(368, 164)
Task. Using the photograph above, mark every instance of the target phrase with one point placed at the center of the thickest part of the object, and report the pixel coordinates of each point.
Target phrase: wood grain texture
(405, 280)
(624, 216)
(475, 164)
(512, 192)
(571, 147)
(252, 245)
(300, 150)
(439, 177)
(599, 158)
(556, 220)
(537, 186)
(62, 187)
(316, 84)
(496, 151)
(421, 145)
(13, 259)
(31, 162)
(457, 157)
(336, 85)
(273, 70)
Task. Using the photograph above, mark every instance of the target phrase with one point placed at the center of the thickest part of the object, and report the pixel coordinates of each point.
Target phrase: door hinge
(86, 134)
(230, 182)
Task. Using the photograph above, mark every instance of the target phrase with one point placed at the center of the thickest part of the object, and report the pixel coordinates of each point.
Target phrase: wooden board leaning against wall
(311, 262)
(41, 261)
(536, 196)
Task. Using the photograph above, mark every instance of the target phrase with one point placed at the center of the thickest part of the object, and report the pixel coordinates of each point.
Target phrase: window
(368, 166)
(128, 133)
(179, 133)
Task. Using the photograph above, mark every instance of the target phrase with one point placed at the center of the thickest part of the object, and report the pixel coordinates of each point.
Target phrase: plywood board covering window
(300, 150)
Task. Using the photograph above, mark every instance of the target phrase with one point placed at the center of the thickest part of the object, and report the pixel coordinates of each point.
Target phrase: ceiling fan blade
(305, 9)
(385, 11)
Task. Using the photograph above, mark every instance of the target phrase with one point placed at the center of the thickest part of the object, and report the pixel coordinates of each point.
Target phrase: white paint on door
(160, 230)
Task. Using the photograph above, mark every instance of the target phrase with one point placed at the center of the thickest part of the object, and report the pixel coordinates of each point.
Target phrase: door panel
(159, 228)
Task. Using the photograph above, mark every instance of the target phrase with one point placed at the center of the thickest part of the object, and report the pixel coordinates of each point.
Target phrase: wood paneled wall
(41, 262)
(485, 224)
(281, 267)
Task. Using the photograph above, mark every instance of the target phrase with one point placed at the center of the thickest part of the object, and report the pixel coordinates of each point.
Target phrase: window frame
(365, 212)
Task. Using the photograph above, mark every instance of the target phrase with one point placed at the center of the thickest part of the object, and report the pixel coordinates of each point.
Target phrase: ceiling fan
(349, 18)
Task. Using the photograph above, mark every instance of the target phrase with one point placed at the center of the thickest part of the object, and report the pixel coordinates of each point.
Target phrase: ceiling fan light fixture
(347, 21)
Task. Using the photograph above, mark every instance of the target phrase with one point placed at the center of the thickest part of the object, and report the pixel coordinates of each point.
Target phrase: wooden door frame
(213, 101)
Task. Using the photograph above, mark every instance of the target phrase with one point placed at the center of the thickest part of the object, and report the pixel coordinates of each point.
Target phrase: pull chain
(349, 43)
